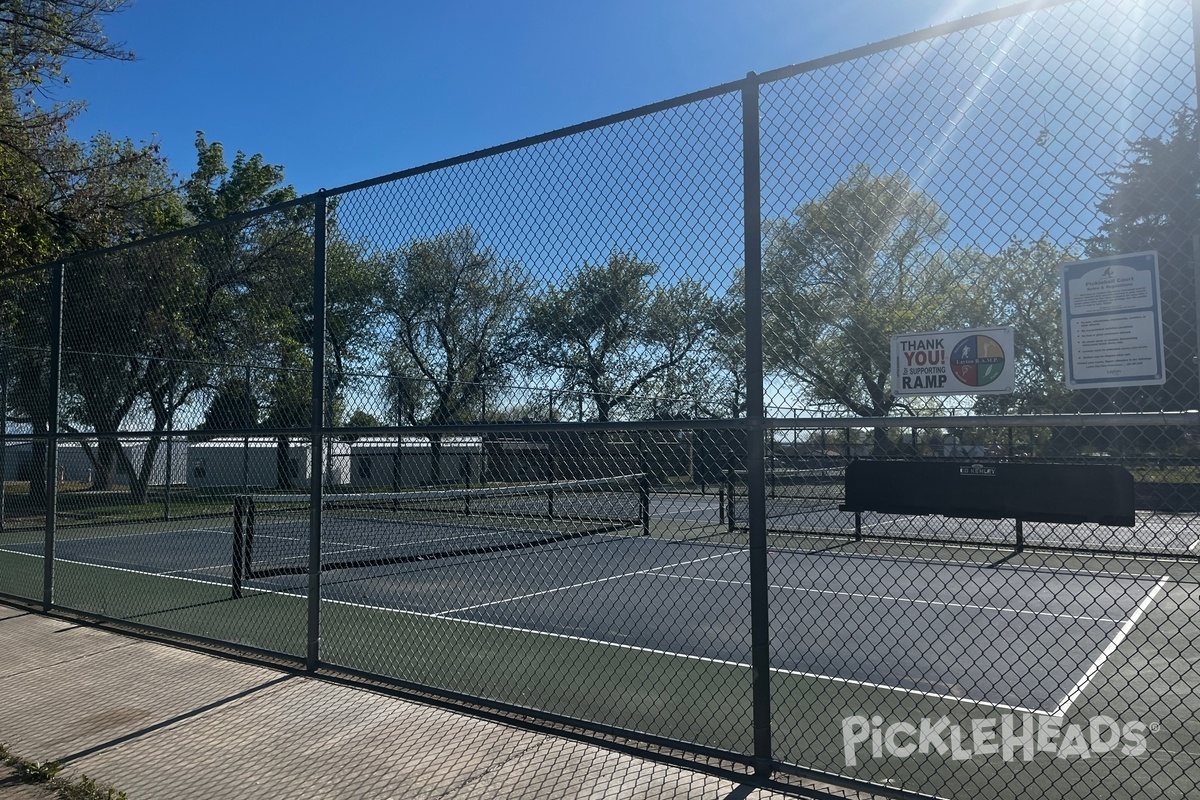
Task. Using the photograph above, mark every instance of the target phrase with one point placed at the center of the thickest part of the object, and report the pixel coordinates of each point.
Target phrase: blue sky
(341, 92)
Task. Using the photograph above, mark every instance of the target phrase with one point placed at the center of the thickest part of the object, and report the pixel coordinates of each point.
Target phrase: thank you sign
(974, 361)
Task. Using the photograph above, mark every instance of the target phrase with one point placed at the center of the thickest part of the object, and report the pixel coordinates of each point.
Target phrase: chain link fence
(751, 425)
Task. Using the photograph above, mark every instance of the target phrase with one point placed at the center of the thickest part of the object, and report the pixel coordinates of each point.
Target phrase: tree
(1020, 285)
(116, 192)
(850, 270)
(363, 419)
(38, 38)
(613, 334)
(58, 196)
(458, 327)
(723, 390)
(233, 406)
(52, 187)
(358, 285)
(1152, 202)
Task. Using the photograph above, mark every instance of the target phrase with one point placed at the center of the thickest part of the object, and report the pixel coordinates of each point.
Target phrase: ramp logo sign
(978, 361)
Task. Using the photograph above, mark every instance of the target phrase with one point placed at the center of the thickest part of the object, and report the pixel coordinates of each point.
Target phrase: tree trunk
(881, 446)
(283, 463)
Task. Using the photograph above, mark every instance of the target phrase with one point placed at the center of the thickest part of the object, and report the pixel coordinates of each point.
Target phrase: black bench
(1068, 493)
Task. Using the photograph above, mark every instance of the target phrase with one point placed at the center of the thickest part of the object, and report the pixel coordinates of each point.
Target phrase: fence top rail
(232, 219)
(36, 268)
(916, 37)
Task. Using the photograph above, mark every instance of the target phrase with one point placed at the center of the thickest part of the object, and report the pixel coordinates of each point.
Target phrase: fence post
(756, 502)
(54, 401)
(1196, 237)
(316, 482)
(1196, 253)
(246, 439)
(3, 428)
(170, 441)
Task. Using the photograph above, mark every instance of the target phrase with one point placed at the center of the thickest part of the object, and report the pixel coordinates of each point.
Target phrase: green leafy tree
(1152, 202)
(1020, 286)
(613, 334)
(457, 316)
(722, 391)
(851, 269)
(58, 196)
(38, 38)
(363, 419)
(233, 406)
(358, 285)
(457, 332)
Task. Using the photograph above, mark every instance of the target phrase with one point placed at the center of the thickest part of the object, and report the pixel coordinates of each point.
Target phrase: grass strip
(47, 772)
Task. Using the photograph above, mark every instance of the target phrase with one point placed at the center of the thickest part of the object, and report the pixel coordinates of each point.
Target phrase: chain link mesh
(542, 486)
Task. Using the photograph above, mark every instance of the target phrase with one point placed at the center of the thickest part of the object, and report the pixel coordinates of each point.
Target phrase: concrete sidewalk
(158, 721)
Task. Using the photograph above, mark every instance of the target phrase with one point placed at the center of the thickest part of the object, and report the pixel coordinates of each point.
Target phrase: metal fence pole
(3, 429)
(1196, 282)
(756, 502)
(53, 401)
(246, 440)
(1196, 237)
(317, 447)
(170, 443)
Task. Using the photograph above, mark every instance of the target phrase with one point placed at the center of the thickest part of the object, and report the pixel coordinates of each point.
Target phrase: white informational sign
(975, 361)
(1112, 328)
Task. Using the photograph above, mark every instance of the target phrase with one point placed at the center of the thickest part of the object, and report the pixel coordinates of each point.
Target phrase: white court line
(978, 565)
(601, 642)
(1082, 684)
(181, 572)
(58, 560)
(685, 656)
(584, 583)
(915, 601)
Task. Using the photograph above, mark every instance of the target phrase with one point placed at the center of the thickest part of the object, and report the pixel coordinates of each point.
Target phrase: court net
(272, 531)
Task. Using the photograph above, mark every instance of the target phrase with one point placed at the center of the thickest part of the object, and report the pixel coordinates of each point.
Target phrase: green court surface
(693, 699)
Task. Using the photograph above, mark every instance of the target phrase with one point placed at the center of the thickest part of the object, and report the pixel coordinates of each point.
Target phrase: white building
(254, 463)
(75, 465)
(17, 461)
(383, 462)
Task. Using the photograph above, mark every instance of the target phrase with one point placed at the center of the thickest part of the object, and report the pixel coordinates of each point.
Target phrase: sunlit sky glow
(342, 92)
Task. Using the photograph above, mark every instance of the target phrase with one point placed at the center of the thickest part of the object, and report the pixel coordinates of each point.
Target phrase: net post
(239, 548)
(729, 499)
(858, 526)
(644, 502)
(1020, 535)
